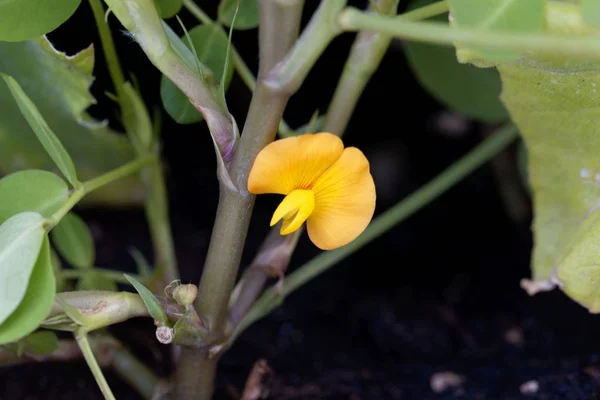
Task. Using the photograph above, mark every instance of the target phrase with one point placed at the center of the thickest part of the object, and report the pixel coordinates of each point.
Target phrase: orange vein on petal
(294, 163)
(344, 201)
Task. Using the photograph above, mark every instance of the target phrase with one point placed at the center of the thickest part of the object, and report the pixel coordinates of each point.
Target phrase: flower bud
(185, 295)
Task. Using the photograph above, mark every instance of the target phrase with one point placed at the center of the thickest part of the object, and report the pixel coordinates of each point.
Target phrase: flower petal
(294, 163)
(344, 201)
(294, 210)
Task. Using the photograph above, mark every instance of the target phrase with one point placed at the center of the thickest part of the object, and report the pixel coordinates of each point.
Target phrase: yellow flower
(324, 184)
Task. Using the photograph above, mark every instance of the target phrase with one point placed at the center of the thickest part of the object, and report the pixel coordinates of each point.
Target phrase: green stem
(93, 184)
(366, 55)
(176, 61)
(202, 371)
(239, 63)
(387, 220)
(97, 308)
(428, 11)
(88, 354)
(116, 276)
(288, 75)
(108, 46)
(232, 221)
(276, 39)
(438, 33)
(157, 214)
(118, 173)
(134, 372)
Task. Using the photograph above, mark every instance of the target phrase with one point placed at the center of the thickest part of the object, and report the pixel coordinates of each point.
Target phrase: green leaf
(27, 19)
(555, 104)
(47, 138)
(57, 268)
(210, 44)
(590, 10)
(59, 86)
(136, 118)
(514, 16)
(151, 302)
(36, 304)
(579, 270)
(41, 342)
(73, 239)
(96, 280)
(168, 8)
(31, 190)
(465, 89)
(21, 238)
(247, 17)
(143, 266)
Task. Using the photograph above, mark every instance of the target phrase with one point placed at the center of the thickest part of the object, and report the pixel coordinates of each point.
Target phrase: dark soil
(438, 293)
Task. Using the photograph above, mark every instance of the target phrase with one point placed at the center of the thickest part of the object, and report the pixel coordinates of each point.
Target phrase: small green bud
(185, 295)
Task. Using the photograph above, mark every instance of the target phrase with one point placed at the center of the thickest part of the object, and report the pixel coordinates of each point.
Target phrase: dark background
(440, 292)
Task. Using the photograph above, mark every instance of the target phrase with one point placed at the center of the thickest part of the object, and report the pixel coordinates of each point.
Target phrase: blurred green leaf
(590, 10)
(31, 190)
(21, 238)
(579, 269)
(514, 16)
(210, 43)
(59, 86)
(73, 239)
(465, 89)
(28, 19)
(143, 266)
(151, 302)
(136, 119)
(41, 342)
(36, 304)
(95, 280)
(47, 138)
(554, 102)
(57, 268)
(168, 8)
(247, 15)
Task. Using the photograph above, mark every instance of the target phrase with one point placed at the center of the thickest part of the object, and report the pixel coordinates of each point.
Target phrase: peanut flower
(324, 184)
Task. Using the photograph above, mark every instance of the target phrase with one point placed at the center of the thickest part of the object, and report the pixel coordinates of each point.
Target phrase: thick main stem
(235, 209)
(195, 375)
(235, 204)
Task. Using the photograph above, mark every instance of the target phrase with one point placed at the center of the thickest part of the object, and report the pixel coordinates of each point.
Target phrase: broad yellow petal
(344, 201)
(294, 163)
